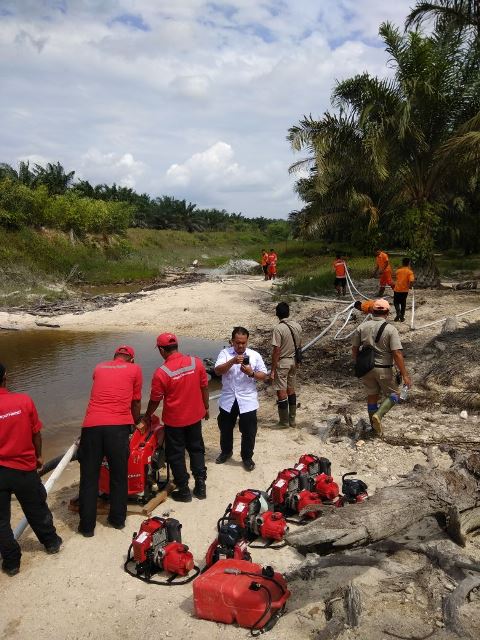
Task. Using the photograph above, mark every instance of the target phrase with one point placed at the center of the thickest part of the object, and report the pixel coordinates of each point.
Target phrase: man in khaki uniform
(286, 337)
(388, 350)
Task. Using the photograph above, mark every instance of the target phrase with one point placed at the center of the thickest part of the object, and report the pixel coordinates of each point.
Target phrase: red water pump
(251, 511)
(242, 592)
(158, 547)
(230, 543)
(310, 466)
(353, 490)
(325, 487)
(146, 459)
(287, 494)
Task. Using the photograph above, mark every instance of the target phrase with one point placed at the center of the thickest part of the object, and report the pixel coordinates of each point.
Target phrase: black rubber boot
(283, 414)
(182, 494)
(200, 489)
(292, 409)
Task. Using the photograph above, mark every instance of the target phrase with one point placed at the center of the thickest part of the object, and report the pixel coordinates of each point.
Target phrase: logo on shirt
(10, 414)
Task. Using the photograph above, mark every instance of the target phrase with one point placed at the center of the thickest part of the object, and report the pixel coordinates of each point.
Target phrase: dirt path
(84, 593)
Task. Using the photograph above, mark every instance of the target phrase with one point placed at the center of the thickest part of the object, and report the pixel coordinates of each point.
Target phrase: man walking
(265, 263)
(240, 368)
(383, 337)
(182, 383)
(20, 457)
(383, 270)
(340, 268)
(286, 339)
(113, 409)
(404, 279)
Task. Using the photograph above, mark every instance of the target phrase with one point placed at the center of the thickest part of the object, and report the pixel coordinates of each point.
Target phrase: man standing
(383, 337)
(287, 337)
(265, 263)
(272, 265)
(340, 268)
(240, 367)
(404, 278)
(383, 270)
(113, 409)
(20, 457)
(182, 383)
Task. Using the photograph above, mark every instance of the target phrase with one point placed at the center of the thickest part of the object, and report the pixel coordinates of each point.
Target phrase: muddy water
(54, 367)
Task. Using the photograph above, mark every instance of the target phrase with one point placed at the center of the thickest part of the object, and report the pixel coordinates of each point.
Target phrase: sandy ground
(83, 592)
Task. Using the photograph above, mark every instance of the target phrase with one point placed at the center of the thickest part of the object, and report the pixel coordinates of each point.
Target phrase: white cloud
(192, 98)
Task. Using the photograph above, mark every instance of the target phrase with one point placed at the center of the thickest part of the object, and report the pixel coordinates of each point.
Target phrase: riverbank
(83, 592)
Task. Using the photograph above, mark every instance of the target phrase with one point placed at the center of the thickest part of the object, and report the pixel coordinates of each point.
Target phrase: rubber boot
(381, 291)
(182, 494)
(200, 489)
(384, 408)
(292, 409)
(283, 414)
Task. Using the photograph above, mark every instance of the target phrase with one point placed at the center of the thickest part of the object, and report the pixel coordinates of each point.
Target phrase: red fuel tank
(224, 594)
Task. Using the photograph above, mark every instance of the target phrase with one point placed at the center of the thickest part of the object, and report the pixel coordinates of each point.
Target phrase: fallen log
(425, 492)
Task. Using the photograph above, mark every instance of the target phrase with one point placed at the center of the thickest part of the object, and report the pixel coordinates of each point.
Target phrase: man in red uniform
(20, 457)
(383, 270)
(113, 409)
(182, 383)
(272, 265)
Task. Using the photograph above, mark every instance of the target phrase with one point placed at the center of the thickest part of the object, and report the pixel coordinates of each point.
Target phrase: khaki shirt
(389, 340)
(283, 338)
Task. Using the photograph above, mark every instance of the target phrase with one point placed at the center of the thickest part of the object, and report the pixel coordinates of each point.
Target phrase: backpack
(365, 361)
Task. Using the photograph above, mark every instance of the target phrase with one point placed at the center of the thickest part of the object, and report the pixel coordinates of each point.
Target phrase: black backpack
(365, 361)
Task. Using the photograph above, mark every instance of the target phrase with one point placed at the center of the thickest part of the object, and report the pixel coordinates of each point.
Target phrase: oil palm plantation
(398, 150)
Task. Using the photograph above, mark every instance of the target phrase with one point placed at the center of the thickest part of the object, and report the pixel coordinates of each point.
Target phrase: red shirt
(339, 267)
(181, 389)
(18, 422)
(115, 384)
(272, 258)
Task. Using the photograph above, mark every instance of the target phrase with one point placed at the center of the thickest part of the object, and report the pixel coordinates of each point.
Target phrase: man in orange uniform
(404, 278)
(182, 383)
(265, 263)
(113, 409)
(272, 265)
(340, 268)
(384, 270)
(365, 306)
(20, 457)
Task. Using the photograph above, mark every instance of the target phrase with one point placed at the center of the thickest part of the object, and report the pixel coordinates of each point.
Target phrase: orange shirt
(339, 267)
(403, 278)
(264, 259)
(272, 258)
(367, 306)
(382, 260)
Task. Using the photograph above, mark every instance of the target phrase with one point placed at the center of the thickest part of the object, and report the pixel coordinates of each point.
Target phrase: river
(55, 368)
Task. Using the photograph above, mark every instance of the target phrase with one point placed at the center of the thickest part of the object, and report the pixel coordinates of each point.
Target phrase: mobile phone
(246, 360)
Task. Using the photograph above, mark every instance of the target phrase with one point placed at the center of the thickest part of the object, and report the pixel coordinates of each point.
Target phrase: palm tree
(23, 174)
(463, 15)
(53, 176)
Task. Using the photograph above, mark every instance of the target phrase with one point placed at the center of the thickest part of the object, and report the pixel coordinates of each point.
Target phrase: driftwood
(424, 493)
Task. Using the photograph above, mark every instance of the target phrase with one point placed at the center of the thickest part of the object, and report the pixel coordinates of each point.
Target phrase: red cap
(124, 348)
(166, 340)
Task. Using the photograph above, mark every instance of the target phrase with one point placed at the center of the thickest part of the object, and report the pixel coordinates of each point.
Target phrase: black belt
(383, 366)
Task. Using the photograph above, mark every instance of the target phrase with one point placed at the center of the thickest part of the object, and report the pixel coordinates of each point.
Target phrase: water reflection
(55, 368)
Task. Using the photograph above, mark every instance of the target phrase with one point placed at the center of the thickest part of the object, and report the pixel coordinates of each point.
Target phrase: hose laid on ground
(349, 278)
(350, 311)
(412, 319)
(456, 315)
(67, 457)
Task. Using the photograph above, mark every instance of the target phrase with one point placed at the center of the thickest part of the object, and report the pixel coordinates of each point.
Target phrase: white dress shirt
(236, 385)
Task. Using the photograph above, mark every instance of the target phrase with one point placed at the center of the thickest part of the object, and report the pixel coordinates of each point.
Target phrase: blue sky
(187, 98)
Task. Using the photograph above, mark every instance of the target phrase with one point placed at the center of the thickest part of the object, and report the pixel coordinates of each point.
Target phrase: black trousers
(248, 428)
(96, 442)
(177, 439)
(400, 302)
(30, 493)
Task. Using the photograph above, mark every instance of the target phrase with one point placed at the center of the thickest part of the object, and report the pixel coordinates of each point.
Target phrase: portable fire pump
(158, 547)
(288, 496)
(310, 466)
(229, 543)
(353, 490)
(252, 512)
(146, 459)
(243, 592)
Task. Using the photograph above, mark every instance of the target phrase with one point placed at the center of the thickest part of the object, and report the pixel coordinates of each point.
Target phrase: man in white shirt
(240, 368)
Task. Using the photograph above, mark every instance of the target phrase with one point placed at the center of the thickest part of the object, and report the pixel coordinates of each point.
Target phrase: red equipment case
(224, 594)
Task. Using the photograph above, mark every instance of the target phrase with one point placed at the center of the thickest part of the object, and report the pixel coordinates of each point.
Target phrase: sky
(186, 98)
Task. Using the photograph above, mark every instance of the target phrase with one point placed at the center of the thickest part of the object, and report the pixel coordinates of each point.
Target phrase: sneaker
(11, 571)
(116, 525)
(86, 534)
(223, 457)
(248, 465)
(181, 494)
(55, 547)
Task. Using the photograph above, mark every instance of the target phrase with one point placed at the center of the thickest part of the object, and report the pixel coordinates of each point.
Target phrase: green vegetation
(397, 162)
